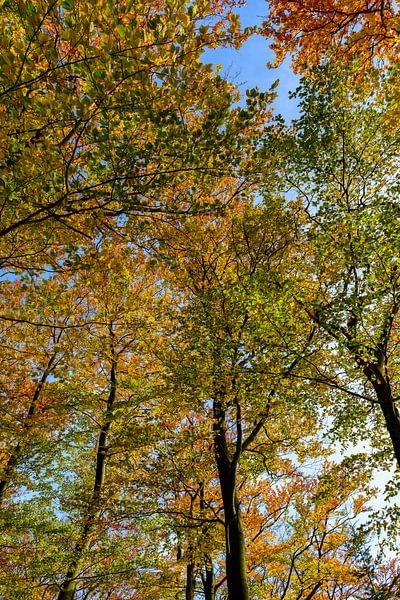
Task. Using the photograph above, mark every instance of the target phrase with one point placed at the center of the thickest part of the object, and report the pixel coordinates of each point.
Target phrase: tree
(160, 324)
(118, 291)
(106, 109)
(313, 31)
(311, 549)
(33, 361)
(241, 347)
(345, 172)
(80, 418)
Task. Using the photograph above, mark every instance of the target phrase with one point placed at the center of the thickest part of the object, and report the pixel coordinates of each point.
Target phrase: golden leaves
(316, 30)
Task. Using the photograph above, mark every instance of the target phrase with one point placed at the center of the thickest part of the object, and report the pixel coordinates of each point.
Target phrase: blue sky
(247, 67)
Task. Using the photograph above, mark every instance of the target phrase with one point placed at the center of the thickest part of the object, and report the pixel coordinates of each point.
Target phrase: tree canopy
(199, 305)
(316, 30)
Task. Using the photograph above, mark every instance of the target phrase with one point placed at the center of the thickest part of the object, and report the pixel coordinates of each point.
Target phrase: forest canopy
(199, 305)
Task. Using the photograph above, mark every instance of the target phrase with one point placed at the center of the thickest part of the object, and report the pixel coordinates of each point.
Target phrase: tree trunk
(234, 539)
(235, 547)
(207, 577)
(208, 581)
(68, 588)
(190, 581)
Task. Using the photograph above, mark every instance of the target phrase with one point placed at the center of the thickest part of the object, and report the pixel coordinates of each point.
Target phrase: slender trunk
(190, 565)
(388, 407)
(190, 581)
(15, 453)
(208, 581)
(234, 539)
(313, 591)
(235, 546)
(208, 576)
(392, 421)
(68, 587)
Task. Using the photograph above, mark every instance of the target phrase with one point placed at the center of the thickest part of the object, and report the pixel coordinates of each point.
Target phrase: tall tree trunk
(208, 576)
(190, 580)
(234, 539)
(190, 565)
(235, 545)
(68, 587)
(15, 453)
(208, 580)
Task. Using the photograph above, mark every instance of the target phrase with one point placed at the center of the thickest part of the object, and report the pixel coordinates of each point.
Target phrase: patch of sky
(247, 67)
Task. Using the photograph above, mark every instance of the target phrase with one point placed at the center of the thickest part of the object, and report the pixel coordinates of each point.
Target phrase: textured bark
(234, 539)
(69, 587)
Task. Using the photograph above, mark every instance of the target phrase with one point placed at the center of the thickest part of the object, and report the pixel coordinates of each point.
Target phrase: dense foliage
(199, 305)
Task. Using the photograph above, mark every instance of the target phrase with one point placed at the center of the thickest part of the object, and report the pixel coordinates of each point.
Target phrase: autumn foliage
(316, 31)
(199, 305)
